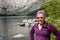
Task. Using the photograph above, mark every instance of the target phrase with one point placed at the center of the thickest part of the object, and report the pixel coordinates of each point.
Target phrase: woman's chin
(41, 23)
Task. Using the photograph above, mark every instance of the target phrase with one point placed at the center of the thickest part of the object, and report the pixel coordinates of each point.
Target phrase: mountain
(18, 7)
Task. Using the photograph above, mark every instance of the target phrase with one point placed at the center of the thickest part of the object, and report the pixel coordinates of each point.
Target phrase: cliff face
(18, 6)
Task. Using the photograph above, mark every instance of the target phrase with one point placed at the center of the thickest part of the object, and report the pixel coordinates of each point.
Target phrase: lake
(9, 28)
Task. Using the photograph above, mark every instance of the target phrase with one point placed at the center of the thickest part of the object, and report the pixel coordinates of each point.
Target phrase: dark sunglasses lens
(41, 17)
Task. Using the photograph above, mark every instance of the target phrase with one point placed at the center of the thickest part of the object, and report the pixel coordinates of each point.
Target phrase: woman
(42, 29)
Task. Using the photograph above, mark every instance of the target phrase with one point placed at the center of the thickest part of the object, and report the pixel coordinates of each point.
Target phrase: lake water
(9, 27)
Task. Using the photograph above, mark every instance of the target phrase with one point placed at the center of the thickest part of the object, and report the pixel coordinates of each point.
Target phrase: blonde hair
(41, 12)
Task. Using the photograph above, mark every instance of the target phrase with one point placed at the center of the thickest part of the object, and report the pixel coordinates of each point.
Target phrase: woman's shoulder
(35, 24)
(50, 26)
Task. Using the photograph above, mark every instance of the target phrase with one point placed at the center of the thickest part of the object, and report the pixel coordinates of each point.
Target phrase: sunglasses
(39, 17)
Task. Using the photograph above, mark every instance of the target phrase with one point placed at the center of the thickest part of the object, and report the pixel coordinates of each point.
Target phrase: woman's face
(40, 18)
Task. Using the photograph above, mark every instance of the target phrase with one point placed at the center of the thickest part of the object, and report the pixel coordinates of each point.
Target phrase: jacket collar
(44, 24)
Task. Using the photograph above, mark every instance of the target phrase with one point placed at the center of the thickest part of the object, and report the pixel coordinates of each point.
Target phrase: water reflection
(11, 31)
